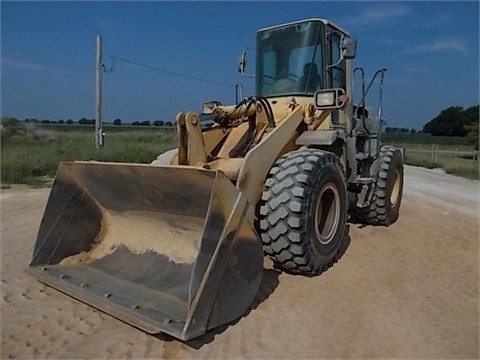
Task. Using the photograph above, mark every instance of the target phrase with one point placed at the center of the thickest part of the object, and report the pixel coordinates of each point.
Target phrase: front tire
(303, 211)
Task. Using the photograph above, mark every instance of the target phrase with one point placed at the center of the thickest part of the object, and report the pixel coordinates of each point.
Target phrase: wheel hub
(395, 189)
(327, 213)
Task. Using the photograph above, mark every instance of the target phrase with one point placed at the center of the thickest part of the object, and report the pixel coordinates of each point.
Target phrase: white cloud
(433, 20)
(445, 44)
(379, 14)
(25, 65)
(382, 40)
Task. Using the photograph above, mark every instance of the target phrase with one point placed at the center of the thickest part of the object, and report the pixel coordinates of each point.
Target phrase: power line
(171, 72)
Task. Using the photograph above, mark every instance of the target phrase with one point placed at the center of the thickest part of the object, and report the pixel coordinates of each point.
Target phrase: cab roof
(325, 21)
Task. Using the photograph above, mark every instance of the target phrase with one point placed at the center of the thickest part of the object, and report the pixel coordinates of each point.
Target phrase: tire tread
(281, 219)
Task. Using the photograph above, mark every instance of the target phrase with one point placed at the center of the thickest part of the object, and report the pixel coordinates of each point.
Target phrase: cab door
(336, 71)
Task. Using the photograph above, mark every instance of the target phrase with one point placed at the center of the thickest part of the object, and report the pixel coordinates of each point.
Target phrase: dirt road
(408, 291)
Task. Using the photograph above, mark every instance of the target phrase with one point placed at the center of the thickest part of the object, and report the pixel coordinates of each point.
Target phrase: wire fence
(437, 153)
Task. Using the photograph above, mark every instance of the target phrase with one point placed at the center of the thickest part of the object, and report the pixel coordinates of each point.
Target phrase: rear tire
(302, 214)
(384, 209)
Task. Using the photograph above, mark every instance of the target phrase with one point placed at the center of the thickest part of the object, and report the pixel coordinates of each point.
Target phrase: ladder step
(362, 156)
(364, 180)
(362, 134)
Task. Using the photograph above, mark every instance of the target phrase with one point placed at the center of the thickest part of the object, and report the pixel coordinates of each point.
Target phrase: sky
(431, 51)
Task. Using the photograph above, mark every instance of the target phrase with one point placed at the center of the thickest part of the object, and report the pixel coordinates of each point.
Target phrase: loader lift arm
(265, 145)
(192, 149)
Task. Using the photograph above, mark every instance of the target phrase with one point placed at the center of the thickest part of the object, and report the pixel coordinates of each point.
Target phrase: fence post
(435, 153)
(98, 96)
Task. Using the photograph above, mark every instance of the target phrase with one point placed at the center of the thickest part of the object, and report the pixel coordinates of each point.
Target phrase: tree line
(389, 129)
(85, 121)
(452, 121)
(456, 121)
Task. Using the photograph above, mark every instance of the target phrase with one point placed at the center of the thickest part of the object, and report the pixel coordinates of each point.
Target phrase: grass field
(29, 158)
(456, 166)
(451, 159)
(424, 139)
(33, 155)
(453, 154)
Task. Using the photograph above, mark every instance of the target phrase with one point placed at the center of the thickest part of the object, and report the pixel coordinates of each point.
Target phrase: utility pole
(98, 96)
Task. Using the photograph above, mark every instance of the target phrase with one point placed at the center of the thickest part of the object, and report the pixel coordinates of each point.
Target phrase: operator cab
(301, 58)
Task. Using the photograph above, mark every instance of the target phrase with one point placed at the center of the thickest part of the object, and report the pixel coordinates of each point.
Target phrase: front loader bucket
(167, 249)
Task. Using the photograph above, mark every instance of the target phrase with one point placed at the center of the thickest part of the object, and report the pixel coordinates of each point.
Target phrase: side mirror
(242, 62)
(348, 47)
(330, 99)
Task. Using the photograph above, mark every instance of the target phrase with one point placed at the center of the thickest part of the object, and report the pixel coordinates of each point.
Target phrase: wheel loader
(177, 246)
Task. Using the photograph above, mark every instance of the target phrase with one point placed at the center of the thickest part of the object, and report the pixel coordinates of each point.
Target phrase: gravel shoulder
(407, 291)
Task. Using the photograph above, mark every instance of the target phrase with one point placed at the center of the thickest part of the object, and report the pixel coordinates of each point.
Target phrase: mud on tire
(303, 210)
(384, 209)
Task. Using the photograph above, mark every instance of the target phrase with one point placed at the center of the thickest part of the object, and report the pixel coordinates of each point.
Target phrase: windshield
(290, 60)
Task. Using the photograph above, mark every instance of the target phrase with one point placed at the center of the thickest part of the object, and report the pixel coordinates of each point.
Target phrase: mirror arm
(342, 55)
(337, 63)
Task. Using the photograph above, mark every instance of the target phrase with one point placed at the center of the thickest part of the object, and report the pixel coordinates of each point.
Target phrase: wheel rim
(395, 189)
(327, 213)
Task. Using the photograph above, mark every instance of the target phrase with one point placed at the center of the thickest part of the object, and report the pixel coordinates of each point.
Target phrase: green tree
(84, 121)
(7, 121)
(117, 122)
(471, 114)
(10, 127)
(452, 121)
(158, 123)
(473, 134)
(69, 121)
